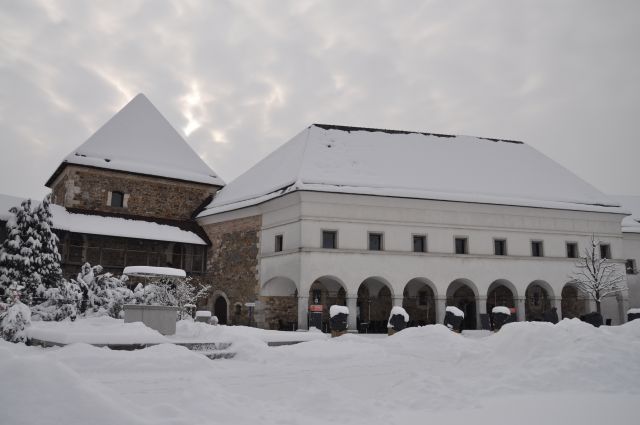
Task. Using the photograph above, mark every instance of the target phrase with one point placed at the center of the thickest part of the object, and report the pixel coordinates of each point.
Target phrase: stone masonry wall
(148, 196)
(232, 263)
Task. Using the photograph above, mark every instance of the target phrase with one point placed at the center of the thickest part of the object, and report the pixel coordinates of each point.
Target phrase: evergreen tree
(18, 253)
(48, 260)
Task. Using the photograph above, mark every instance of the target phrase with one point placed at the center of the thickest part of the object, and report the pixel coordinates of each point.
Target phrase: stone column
(397, 301)
(481, 308)
(591, 305)
(352, 305)
(303, 315)
(520, 309)
(441, 306)
(557, 303)
(623, 307)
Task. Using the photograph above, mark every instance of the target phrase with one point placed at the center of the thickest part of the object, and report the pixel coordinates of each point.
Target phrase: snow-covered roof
(151, 271)
(138, 139)
(107, 226)
(409, 164)
(630, 224)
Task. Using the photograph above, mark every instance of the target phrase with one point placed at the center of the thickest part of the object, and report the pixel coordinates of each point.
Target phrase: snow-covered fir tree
(18, 255)
(48, 259)
(15, 320)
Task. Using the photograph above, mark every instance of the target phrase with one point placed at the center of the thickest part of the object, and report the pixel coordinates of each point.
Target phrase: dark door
(220, 310)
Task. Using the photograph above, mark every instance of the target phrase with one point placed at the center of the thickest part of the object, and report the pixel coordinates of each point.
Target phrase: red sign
(317, 308)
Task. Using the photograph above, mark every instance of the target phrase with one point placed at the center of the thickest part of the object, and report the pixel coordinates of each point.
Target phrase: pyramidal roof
(138, 139)
(367, 161)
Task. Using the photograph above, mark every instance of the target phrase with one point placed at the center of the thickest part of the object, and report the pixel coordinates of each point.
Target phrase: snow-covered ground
(528, 373)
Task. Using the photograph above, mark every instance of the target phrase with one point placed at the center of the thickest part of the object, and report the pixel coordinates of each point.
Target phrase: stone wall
(232, 264)
(280, 313)
(160, 198)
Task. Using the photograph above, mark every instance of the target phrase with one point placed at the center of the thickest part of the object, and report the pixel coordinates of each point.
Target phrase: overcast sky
(238, 79)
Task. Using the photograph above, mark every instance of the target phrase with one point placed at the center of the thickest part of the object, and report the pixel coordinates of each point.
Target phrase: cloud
(238, 79)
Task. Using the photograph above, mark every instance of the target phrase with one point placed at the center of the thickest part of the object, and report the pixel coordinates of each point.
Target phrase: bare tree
(597, 277)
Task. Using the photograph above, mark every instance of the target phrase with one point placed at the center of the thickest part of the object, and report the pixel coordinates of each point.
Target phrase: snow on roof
(139, 139)
(150, 271)
(108, 226)
(409, 164)
(630, 224)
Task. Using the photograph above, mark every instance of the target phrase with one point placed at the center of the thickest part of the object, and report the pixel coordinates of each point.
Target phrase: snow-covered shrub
(102, 293)
(14, 321)
(174, 292)
(60, 303)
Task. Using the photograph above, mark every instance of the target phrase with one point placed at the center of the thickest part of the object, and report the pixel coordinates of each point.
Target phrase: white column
(397, 301)
(303, 315)
(481, 308)
(623, 307)
(352, 305)
(520, 309)
(441, 306)
(557, 303)
(591, 305)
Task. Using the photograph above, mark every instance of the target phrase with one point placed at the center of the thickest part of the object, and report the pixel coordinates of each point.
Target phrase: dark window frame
(334, 234)
(630, 266)
(572, 250)
(605, 251)
(380, 242)
(279, 243)
(537, 252)
(423, 242)
(502, 242)
(121, 198)
(464, 245)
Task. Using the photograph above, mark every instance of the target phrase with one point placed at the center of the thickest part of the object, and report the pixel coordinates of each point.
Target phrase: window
(375, 241)
(500, 246)
(329, 239)
(117, 199)
(461, 245)
(537, 250)
(630, 265)
(605, 250)
(572, 250)
(279, 241)
(419, 243)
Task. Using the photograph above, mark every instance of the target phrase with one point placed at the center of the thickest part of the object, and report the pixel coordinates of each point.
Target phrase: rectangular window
(537, 250)
(461, 245)
(329, 239)
(500, 246)
(630, 265)
(419, 243)
(117, 199)
(572, 250)
(375, 241)
(279, 241)
(605, 250)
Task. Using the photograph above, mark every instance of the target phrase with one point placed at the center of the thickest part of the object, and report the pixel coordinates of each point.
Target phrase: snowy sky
(240, 78)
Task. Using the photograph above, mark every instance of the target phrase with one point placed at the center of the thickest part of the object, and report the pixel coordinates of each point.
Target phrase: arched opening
(220, 309)
(462, 294)
(537, 301)
(419, 300)
(280, 298)
(574, 302)
(500, 293)
(374, 305)
(323, 293)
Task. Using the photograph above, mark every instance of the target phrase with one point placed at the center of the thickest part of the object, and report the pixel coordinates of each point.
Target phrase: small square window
(537, 249)
(329, 239)
(500, 247)
(117, 199)
(461, 245)
(375, 241)
(279, 241)
(572, 250)
(419, 243)
(630, 265)
(605, 250)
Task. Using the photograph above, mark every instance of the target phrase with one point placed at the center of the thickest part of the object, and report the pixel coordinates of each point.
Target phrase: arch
(375, 300)
(462, 293)
(574, 301)
(280, 298)
(325, 291)
(419, 300)
(538, 296)
(279, 286)
(221, 307)
(501, 292)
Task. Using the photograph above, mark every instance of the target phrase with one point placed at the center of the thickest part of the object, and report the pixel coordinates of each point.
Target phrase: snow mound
(502, 310)
(455, 311)
(334, 310)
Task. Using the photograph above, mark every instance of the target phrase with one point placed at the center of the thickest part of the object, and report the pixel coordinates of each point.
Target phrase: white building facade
(372, 247)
